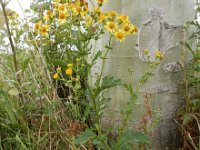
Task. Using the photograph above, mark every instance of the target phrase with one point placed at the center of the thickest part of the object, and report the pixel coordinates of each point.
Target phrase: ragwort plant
(69, 28)
(66, 112)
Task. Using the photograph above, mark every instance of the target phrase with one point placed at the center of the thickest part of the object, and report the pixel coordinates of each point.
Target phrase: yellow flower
(123, 18)
(70, 65)
(110, 26)
(62, 7)
(112, 14)
(97, 11)
(127, 28)
(48, 14)
(120, 35)
(44, 30)
(56, 76)
(69, 71)
(102, 18)
(158, 54)
(37, 25)
(101, 2)
(79, 10)
(62, 17)
(134, 29)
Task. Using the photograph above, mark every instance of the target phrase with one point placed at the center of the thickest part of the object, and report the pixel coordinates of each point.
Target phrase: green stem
(104, 60)
(97, 118)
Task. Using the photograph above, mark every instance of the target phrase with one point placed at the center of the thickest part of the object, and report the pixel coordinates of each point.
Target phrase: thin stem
(104, 60)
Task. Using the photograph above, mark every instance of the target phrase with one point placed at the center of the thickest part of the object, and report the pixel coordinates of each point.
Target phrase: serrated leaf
(84, 137)
(131, 137)
(108, 82)
(13, 92)
(97, 55)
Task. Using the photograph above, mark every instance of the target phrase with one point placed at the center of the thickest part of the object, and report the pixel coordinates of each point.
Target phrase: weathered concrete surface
(160, 23)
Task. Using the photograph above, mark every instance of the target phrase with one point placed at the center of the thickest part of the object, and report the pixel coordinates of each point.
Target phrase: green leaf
(85, 137)
(102, 102)
(186, 118)
(108, 82)
(13, 92)
(97, 55)
(145, 77)
(131, 137)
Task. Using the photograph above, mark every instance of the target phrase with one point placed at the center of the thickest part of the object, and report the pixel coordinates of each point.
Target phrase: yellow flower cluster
(77, 12)
(158, 54)
(42, 28)
(61, 12)
(68, 71)
(118, 25)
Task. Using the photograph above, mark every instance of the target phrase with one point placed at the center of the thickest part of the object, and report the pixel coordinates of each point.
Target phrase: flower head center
(111, 25)
(126, 28)
(78, 9)
(120, 35)
(62, 16)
